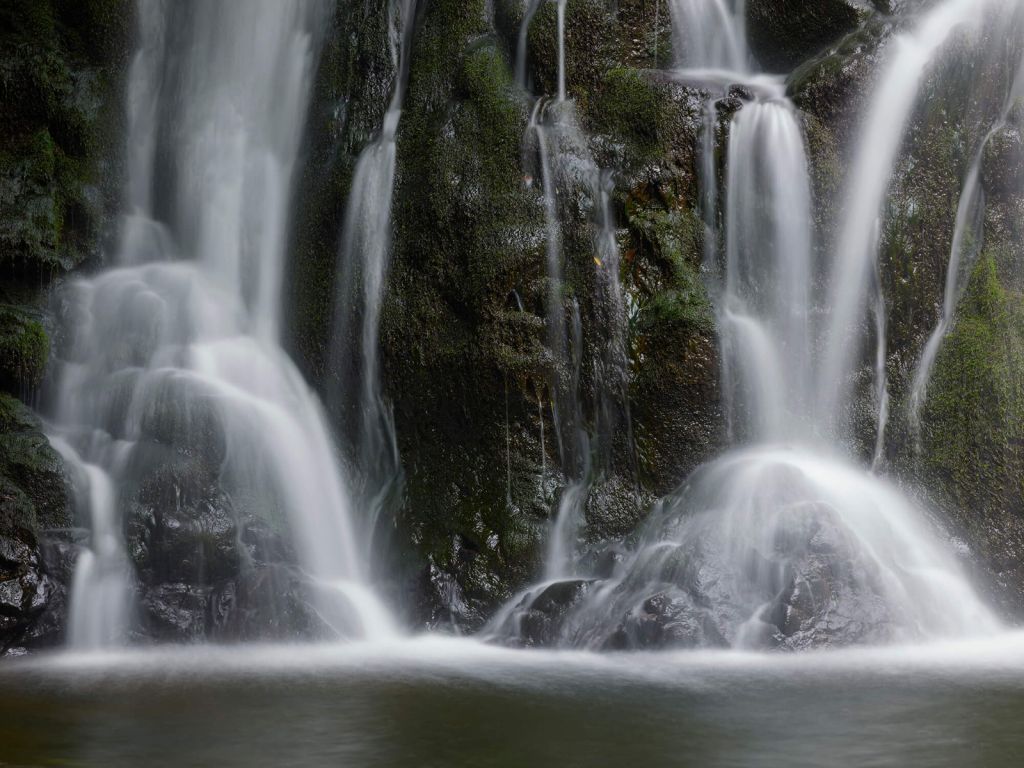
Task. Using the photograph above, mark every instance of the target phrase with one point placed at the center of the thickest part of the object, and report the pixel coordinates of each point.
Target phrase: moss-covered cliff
(61, 65)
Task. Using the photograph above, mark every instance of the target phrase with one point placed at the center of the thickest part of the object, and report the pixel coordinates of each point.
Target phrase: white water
(529, 10)
(175, 352)
(101, 588)
(363, 262)
(572, 440)
(710, 34)
(760, 542)
(765, 308)
(908, 58)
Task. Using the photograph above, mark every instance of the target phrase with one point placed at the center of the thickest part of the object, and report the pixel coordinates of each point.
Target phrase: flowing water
(784, 542)
(171, 357)
(968, 239)
(710, 34)
(787, 543)
(362, 273)
(909, 56)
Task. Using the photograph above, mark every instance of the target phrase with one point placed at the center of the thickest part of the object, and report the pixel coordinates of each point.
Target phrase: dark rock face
(60, 69)
(463, 332)
(1003, 168)
(35, 510)
(784, 33)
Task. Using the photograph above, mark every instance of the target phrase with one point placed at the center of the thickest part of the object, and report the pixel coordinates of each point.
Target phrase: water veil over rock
(213, 491)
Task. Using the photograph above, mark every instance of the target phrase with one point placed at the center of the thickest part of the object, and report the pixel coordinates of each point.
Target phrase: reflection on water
(458, 703)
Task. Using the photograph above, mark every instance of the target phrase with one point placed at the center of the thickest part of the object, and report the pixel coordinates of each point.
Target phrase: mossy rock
(591, 48)
(59, 102)
(29, 463)
(24, 350)
(973, 433)
(673, 349)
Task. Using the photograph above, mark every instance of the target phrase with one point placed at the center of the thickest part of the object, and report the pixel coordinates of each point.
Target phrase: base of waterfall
(457, 702)
(765, 548)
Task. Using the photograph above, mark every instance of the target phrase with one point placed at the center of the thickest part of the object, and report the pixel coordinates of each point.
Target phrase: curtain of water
(178, 347)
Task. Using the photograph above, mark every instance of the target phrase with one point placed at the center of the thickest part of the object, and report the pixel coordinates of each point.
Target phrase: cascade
(562, 135)
(171, 381)
(967, 242)
(766, 303)
(781, 543)
(363, 258)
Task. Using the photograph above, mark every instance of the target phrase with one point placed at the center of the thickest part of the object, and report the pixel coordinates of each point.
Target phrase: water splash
(771, 547)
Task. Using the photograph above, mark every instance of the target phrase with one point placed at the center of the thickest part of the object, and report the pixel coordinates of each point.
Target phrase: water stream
(363, 260)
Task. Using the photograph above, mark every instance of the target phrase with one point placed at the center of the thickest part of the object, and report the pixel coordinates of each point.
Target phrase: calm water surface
(433, 702)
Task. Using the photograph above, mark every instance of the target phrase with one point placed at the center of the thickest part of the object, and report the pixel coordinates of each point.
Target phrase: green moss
(975, 406)
(33, 488)
(24, 350)
(591, 48)
(58, 104)
(631, 107)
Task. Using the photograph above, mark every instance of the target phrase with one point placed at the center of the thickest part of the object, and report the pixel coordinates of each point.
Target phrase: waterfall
(363, 260)
(710, 34)
(766, 302)
(967, 242)
(572, 440)
(102, 584)
(880, 140)
(782, 543)
(172, 357)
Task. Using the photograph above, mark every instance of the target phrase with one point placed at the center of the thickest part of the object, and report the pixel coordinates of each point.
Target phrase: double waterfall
(172, 388)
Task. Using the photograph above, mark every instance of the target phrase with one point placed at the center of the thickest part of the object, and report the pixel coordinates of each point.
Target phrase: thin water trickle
(363, 263)
(966, 244)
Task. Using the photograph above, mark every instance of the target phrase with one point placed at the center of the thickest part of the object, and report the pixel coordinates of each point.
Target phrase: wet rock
(1003, 166)
(668, 620)
(831, 598)
(782, 33)
(444, 606)
(542, 617)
